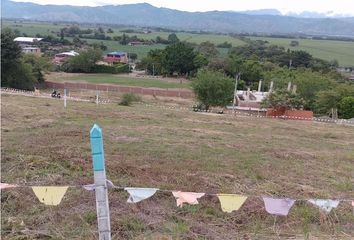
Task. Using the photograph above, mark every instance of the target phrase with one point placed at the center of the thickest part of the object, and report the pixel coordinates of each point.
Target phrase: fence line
(122, 89)
(229, 112)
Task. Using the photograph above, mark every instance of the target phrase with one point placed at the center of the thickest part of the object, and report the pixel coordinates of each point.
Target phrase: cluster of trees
(77, 33)
(83, 63)
(86, 62)
(319, 87)
(179, 58)
(224, 45)
(18, 70)
(282, 98)
(125, 39)
(294, 36)
(263, 52)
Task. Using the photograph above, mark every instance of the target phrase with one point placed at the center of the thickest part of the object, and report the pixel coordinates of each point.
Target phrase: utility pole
(99, 171)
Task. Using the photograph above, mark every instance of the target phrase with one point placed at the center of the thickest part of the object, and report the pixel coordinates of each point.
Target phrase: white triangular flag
(139, 194)
(325, 204)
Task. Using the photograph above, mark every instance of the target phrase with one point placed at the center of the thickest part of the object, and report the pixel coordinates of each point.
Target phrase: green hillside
(342, 51)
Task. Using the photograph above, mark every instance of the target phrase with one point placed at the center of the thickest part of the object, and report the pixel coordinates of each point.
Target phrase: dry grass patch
(43, 143)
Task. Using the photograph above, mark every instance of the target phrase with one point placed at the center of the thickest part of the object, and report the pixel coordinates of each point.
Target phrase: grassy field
(33, 28)
(45, 144)
(325, 49)
(121, 80)
(328, 50)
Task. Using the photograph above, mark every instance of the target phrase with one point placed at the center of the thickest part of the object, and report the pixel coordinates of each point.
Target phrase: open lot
(45, 144)
(121, 79)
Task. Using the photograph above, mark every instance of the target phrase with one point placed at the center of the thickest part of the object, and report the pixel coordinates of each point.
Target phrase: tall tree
(208, 49)
(346, 107)
(179, 58)
(84, 62)
(172, 38)
(213, 88)
(14, 72)
(10, 55)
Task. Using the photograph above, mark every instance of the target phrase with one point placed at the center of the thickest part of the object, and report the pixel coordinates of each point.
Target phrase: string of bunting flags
(52, 195)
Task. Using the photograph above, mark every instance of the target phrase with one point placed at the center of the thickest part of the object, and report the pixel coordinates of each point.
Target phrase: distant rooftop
(118, 53)
(30, 48)
(71, 53)
(27, 39)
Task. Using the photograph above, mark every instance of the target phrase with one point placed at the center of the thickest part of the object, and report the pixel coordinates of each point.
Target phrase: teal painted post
(102, 204)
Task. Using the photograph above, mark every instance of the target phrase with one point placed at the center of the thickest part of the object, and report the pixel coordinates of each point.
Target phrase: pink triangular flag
(187, 197)
(5, 185)
(278, 206)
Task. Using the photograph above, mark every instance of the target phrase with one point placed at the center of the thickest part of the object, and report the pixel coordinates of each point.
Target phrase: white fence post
(65, 97)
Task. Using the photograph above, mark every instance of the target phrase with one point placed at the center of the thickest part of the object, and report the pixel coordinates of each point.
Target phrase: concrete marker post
(99, 170)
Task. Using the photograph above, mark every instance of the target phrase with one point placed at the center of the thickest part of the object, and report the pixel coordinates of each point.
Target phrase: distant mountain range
(305, 14)
(266, 21)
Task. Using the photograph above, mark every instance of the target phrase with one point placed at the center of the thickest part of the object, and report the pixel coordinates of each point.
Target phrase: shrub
(129, 98)
(213, 88)
(346, 107)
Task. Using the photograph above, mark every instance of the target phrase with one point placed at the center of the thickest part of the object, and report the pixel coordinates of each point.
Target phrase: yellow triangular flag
(231, 202)
(50, 195)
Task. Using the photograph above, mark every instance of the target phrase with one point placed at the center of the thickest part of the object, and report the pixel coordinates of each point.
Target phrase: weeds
(129, 98)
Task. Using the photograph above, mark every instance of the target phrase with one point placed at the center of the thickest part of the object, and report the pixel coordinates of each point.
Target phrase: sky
(345, 7)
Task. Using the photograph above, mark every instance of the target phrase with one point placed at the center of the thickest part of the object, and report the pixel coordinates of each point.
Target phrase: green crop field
(121, 80)
(342, 51)
(33, 28)
(45, 144)
(141, 51)
(325, 49)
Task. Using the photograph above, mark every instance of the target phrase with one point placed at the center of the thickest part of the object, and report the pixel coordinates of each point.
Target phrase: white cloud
(336, 6)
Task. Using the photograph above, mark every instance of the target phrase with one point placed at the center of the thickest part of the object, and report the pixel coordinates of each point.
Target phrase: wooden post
(102, 205)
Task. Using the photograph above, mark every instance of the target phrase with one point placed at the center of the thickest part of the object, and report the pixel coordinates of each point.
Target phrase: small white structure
(64, 56)
(27, 40)
(68, 54)
(33, 50)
